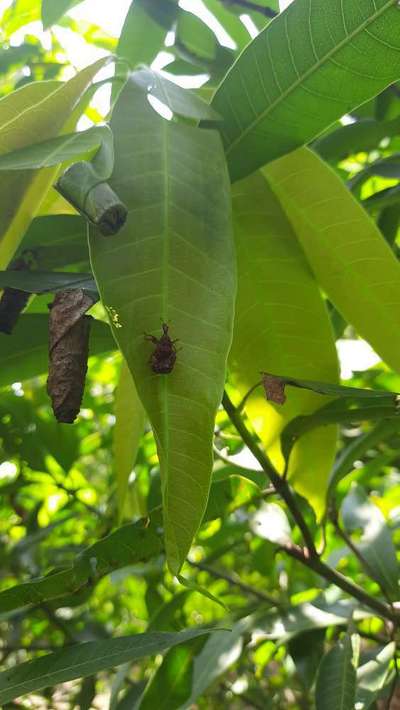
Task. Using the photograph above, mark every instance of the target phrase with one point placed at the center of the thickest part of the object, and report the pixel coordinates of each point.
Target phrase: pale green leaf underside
(311, 65)
(349, 256)
(281, 326)
(373, 676)
(173, 262)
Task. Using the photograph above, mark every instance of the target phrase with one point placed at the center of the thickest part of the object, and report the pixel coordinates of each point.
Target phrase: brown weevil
(163, 358)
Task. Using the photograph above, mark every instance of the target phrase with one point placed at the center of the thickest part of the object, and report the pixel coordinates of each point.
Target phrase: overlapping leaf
(349, 257)
(311, 65)
(37, 111)
(336, 681)
(281, 325)
(172, 262)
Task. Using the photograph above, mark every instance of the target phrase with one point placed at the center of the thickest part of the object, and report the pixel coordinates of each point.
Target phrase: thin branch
(252, 7)
(236, 582)
(279, 483)
(308, 556)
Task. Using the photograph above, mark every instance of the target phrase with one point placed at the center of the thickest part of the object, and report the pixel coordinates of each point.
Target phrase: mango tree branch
(307, 556)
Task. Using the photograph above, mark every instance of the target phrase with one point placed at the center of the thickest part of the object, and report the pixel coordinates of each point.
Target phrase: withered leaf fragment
(69, 329)
(274, 388)
(13, 300)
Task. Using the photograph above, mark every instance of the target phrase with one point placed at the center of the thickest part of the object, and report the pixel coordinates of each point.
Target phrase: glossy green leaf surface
(171, 685)
(146, 25)
(24, 354)
(363, 135)
(311, 65)
(349, 256)
(336, 681)
(128, 429)
(180, 102)
(376, 544)
(86, 659)
(37, 111)
(172, 263)
(281, 322)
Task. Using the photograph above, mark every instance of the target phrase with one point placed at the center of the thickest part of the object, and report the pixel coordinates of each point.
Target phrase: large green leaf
(336, 681)
(86, 659)
(172, 262)
(281, 325)
(350, 258)
(24, 354)
(347, 140)
(129, 426)
(311, 65)
(376, 544)
(38, 111)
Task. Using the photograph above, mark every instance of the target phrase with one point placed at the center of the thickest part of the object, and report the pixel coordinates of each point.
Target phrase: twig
(279, 484)
(236, 582)
(252, 7)
(308, 556)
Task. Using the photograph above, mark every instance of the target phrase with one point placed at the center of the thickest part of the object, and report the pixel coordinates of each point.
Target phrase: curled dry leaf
(68, 352)
(274, 388)
(13, 300)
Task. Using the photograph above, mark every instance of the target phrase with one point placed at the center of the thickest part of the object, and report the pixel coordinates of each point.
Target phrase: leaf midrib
(307, 74)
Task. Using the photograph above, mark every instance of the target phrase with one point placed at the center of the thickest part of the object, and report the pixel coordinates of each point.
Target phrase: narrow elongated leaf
(56, 241)
(346, 251)
(373, 676)
(172, 262)
(40, 110)
(144, 30)
(376, 544)
(364, 135)
(180, 102)
(129, 425)
(24, 354)
(336, 680)
(311, 65)
(127, 545)
(171, 685)
(281, 322)
(57, 150)
(86, 659)
(46, 281)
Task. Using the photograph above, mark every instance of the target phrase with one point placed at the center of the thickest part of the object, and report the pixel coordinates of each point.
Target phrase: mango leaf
(58, 150)
(85, 659)
(24, 354)
(301, 73)
(56, 241)
(376, 544)
(342, 411)
(171, 684)
(172, 262)
(336, 680)
(362, 136)
(47, 281)
(195, 36)
(373, 676)
(281, 323)
(146, 25)
(38, 111)
(230, 22)
(127, 545)
(349, 257)
(128, 429)
(53, 10)
(357, 449)
(179, 102)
